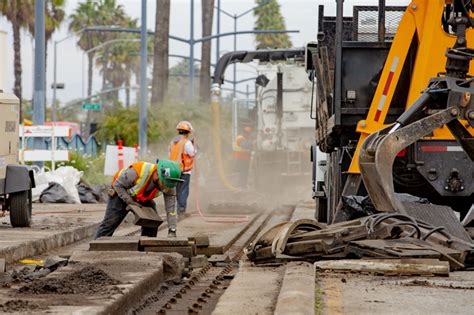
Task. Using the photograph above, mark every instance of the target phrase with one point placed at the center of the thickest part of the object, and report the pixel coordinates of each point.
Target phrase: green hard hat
(169, 173)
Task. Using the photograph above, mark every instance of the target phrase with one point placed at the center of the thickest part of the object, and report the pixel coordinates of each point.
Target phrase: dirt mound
(88, 280)
(19, 306)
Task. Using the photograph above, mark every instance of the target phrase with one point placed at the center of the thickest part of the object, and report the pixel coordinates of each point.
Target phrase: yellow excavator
(396, 110)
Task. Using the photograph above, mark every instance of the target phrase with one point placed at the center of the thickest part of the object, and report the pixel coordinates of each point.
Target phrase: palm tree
(18, 12)
(161, 49)
(269, 18)
(93, 13)
(205, 74)
(86, 15)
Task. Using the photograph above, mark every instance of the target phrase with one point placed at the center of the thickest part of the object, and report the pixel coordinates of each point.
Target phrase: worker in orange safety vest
(241, 153)
(138, 184)
(182, 151)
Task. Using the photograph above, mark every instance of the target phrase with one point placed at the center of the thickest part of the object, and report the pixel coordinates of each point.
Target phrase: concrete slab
(221, 235)
(297, 291)
(365, 294)
(115, 243)
(137, 273)
(254, 290)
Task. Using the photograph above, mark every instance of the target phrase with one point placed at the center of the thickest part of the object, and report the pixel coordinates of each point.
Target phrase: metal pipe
(53, 105)
(235, 49)
(191, 53)
(142, 141)
(338, 65)
(218, 29)
(39, 68)
(381, 25)
(55, 71)
(39, 72)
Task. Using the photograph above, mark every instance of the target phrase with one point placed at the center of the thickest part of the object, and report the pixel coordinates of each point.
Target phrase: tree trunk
(205, 74)
(90, 73)
(161, 49)
(17, 64)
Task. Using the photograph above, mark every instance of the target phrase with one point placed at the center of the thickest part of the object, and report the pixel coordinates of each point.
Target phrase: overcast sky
(299, 15)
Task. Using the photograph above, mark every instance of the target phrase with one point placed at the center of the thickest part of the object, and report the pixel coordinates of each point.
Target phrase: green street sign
(91, 106)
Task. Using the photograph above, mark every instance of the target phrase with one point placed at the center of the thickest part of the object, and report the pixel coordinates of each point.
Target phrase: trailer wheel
(20, 208)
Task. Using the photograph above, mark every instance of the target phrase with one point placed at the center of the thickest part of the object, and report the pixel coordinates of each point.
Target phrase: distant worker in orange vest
(182, 151)
(241, 153)
(138, 184)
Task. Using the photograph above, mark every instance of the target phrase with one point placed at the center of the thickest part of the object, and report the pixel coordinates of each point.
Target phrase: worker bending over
(138, 184)
(182, 150)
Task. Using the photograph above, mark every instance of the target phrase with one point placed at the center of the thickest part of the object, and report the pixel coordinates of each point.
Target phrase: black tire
(20, 208)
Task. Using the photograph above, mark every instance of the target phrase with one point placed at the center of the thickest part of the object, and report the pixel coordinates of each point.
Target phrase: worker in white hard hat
(182, 150)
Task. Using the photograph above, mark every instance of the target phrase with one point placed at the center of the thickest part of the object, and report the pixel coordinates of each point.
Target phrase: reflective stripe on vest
(144, 172)
(239, 152)
(143, 179)
(177, 154)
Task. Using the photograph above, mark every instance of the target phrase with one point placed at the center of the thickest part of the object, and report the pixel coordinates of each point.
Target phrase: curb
(296, 295)
(39, 246)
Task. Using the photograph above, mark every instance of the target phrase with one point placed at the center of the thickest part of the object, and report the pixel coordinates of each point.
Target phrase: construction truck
(16, 181)
(280, 119)
(395, 113)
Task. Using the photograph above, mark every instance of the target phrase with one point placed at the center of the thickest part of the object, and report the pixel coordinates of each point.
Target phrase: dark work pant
(182, 193)
(114, 215)
(243, 169)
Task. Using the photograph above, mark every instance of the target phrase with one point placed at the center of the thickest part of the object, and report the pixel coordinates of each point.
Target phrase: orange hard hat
(248, 129)
(184, 125)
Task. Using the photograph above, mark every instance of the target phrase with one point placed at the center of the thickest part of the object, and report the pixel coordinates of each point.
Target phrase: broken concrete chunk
(114, 244)
(214, 259)
(155, 241)
(186, 251)
(198, 261)
(54, 262)
(200, 239)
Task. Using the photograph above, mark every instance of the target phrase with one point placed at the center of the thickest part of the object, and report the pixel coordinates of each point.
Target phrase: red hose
(213, 218)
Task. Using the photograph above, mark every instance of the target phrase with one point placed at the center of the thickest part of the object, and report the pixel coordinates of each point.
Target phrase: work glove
(131, 202)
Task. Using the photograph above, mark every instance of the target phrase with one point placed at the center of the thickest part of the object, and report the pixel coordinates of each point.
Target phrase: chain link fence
(365, 22)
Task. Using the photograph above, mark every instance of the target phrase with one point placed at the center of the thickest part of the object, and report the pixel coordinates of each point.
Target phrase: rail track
(200, 293)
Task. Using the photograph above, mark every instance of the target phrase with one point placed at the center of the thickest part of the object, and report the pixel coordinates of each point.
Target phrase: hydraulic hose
(213, 218)
(215, 92)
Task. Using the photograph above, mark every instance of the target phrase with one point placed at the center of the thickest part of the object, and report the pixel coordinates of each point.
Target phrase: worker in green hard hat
(138, 184)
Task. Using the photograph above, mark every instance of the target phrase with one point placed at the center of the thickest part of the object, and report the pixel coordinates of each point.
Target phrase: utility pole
(191, 54)
(39, 71)
(142, 141)
(218, 30)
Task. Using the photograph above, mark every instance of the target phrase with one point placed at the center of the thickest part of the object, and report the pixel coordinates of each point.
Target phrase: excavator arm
(446, 101)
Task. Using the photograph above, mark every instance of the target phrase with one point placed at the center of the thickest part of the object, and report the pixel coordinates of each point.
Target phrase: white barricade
(53, 155)
(112, 157)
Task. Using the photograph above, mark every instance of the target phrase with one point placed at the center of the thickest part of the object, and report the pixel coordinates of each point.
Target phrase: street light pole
(39, 72)
(53, 106)
(39, 77)
(84, 53)
(218, 29)
(191, 53)
(235, 49)
(142, 141)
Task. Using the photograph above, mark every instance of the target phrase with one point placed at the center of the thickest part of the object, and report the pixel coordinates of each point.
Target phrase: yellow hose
(217, 144)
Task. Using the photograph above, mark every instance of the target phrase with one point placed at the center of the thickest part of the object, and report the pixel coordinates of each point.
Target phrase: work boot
(172, 233)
